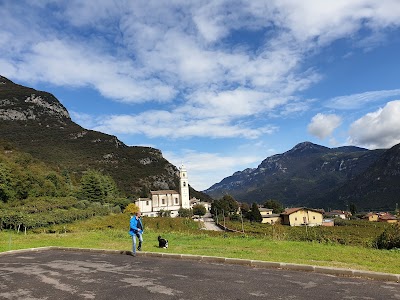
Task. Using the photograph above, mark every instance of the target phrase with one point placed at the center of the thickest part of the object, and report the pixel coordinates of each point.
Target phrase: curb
(233, 261)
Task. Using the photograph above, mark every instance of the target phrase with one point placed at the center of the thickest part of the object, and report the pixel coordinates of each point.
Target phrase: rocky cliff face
(37, 123)
(20, 103)
(306, 175)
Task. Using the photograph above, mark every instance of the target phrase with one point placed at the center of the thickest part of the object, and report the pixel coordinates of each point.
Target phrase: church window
(163, 201)
(176, 200)
(184, 183)
(147, 203)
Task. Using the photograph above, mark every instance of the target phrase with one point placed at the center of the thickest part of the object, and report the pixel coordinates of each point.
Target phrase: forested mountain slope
(321, 177)
(37, 123)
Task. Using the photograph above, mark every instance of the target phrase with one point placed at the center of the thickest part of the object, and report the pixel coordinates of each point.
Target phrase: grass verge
(185, 238)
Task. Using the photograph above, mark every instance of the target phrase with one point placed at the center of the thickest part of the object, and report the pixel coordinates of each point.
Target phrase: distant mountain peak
(306, 148)
(317, 176)
(20, 103)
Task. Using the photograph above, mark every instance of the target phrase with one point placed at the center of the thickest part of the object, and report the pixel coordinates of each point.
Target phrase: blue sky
(216, 85)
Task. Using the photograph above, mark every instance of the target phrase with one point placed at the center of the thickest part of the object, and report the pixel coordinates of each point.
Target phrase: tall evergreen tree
(97, 187)
(353, 209)
(254, 214)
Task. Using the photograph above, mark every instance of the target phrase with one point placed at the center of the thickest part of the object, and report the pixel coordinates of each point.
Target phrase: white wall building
(170, 200)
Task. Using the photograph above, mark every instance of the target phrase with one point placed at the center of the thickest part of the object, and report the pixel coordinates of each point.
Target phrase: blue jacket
(134, 225)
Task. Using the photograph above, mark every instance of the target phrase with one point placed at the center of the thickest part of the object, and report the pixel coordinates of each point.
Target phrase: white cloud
(379, 129)
(166, 124)
(323, 125)
(359, 100)
(230, 104)
(195, 60)
(183, 51)
(61, 62)
(326, 21)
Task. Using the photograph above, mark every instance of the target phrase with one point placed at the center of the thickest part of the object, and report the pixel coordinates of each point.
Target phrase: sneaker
(139, 249)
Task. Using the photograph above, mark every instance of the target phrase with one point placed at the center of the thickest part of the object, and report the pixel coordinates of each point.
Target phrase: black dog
(162, 243)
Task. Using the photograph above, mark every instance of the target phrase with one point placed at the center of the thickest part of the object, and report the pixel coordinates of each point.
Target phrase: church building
(167, 200)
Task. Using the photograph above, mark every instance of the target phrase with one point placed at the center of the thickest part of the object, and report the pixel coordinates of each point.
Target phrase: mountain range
(308, 175)
(37, 123)
(320, 177)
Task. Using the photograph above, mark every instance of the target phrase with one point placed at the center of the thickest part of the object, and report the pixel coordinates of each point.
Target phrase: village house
(388, 218)
(302, 216)
(372, 217)
(268, 217)
(337, 214)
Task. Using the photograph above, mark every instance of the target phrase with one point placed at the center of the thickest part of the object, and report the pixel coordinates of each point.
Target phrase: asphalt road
(56, 274)
(209, 224)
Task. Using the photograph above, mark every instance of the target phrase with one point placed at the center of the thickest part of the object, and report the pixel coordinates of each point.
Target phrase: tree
(97, 187)
(232, 204)
(255, 215)
(353, 209)
(199, 209)
(144, 192)
(131, 208)
(227, 204)
(6, 191)
(244, 207)
(109, 186)
(276, 206)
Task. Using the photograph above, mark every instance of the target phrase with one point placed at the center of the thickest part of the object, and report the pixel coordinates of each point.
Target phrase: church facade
(167, 200)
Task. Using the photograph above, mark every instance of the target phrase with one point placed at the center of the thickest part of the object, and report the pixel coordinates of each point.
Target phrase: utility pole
(223, 214)
(241, 216)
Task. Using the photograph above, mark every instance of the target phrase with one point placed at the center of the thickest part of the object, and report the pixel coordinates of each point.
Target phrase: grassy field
(184, 237)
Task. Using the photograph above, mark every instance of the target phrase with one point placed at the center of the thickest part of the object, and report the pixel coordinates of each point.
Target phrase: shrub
(185, 212)
(164, 213)
(390, 238)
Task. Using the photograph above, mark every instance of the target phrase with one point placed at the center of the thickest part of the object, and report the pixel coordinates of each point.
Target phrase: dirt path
(209, 223)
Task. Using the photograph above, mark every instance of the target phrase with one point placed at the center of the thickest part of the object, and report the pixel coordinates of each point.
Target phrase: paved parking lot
(58, 274)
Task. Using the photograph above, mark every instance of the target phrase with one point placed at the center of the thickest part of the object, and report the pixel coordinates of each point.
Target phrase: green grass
(184, 237)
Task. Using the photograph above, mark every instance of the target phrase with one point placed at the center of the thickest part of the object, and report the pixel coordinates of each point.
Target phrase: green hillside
(35, 122)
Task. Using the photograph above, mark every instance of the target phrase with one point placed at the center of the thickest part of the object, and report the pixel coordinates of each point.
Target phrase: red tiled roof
(289, 211)
(388, 217)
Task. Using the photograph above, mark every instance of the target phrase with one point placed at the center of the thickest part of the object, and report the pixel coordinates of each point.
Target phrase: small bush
(390, 238)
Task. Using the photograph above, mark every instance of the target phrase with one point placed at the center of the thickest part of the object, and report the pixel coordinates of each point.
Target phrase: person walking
(136, 230)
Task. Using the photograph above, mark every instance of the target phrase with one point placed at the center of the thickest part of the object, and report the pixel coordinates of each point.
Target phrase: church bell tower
(184, 187)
